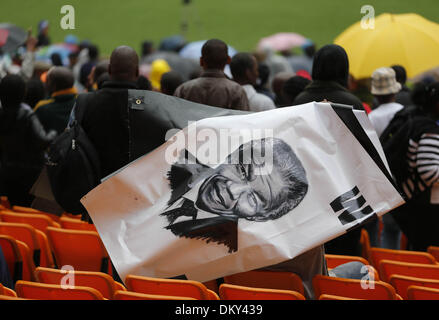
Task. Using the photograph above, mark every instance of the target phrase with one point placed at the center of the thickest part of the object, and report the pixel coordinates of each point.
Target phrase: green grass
(241, 23)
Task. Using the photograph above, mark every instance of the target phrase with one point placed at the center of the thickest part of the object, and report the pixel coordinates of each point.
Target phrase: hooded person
(330, 75)
(411, 153)
(22, 142)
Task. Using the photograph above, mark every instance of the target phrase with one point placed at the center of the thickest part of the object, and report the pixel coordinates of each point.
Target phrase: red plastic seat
(378, 254)
(350, 288)
(234, 292)
(422, 293)
(38, 221)
(418, 270)
(402, 283)
(267, 279)
(129, 295)
(172, 287)
(83, 250)
(41, 291)
(76, 224)
(25, 233)
(96, 280)
(434, 251)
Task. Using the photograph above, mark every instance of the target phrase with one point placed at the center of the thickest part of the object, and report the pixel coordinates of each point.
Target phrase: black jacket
(124, 123)
(329, 90)
(330, 74)
(22, 140)
(22, 144)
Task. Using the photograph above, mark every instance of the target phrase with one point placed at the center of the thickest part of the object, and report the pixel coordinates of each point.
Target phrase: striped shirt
(423, 162)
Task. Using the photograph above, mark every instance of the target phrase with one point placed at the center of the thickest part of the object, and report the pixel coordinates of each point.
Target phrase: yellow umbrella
(406, 39)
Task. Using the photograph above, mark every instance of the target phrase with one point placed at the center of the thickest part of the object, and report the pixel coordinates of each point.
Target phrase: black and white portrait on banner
(246, 186)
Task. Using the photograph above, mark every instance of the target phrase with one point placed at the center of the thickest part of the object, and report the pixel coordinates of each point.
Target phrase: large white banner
(236, 193)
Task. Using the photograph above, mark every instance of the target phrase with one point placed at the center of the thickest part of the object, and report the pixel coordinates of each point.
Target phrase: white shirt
(381, 116)
(257, 101)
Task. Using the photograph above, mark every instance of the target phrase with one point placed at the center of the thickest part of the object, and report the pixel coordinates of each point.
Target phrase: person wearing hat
(158, 68)
(384, 88)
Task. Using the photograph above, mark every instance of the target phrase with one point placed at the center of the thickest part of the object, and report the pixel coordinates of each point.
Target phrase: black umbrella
(11, 37)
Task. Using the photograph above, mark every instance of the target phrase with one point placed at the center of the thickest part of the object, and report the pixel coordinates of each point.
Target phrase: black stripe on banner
(346, 114)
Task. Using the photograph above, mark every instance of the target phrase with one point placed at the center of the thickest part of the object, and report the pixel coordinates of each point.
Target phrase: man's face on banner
(250, 186)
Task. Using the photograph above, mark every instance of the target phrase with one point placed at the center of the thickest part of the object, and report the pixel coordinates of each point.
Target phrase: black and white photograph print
(249, 185)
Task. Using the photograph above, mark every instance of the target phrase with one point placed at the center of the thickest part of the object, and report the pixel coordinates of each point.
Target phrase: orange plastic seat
(434, 251)
(38, 221)
(20, 209)
(234, 292)
(96, 280)
(422, 293)
(13, 257)
(24, 233)
(71, 216)
(76, 224)
(42, 253)
(212, 285)
(129, 295)
(6, 291)
(42, 291)
(267, 279)
(46, 256)
(172, 287)
(6, 297)
(365, 244)
(402, 283)
(332, 297)
(351, 288)
(378, 254)
(28, 262)
(334, 260)
(5, 202)
(83, 250)
(418, 270)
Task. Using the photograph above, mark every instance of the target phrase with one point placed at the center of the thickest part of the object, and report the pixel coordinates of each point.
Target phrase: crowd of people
(37, 104)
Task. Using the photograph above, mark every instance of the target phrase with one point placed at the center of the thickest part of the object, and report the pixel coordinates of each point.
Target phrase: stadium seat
(5, 202)
(76, 224)
(332, 297)
(378, 254)
(365, 244)
(97, 280)
(418, 270)
(351, 288)
(46, 256)
(267, 279)
(129, 295)
(6, 291)
(42, 291)
(422, 293)
(28, 262)
(20, 209)
(83, 250)
(212, 285)
(71, 216)
(24, 233)
(402, 283)
(42, 258)
(434, 251)
(172, 287)
(38, 221)
(234, 292)
(13, 257)
(334, 260)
